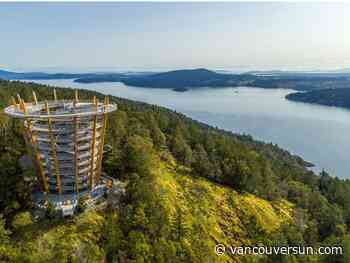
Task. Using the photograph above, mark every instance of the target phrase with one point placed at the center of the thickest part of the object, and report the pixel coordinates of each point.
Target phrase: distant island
(182, 80)
(329, 97)
(96, 78)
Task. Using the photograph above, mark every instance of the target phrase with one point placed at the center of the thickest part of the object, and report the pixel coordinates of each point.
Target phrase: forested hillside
(188, 187)
(329, 97)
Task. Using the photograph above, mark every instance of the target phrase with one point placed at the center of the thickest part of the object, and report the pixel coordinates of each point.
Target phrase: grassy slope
(223, 213)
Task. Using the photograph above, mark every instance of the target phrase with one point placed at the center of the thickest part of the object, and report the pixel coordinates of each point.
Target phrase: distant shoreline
(183, 80)
(325, 97)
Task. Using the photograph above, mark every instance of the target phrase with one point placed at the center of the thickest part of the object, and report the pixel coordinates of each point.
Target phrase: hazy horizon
(164, 36)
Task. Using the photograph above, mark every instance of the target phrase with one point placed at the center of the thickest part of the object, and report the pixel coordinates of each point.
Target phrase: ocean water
(319, 134)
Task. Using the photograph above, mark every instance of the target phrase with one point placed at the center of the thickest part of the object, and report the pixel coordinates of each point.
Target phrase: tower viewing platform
(65, 140)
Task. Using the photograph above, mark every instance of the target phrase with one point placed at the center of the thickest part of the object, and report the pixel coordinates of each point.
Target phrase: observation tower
(65, 140)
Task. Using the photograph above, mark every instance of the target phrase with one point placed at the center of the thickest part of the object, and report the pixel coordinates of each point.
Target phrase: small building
(67, 210)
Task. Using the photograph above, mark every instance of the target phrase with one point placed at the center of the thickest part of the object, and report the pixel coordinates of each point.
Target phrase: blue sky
(161, 36)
